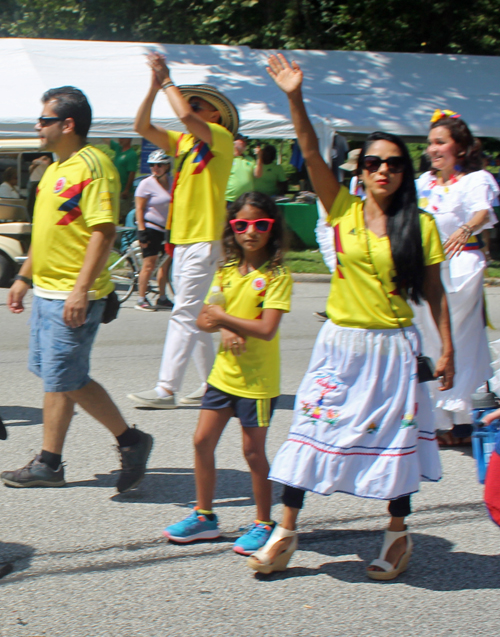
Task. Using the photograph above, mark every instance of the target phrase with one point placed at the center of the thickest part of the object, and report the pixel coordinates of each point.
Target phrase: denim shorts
(252, 412)
(60, 355)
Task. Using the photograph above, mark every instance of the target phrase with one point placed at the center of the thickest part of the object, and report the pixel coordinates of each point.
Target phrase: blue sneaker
(195, 527)
(254, 539)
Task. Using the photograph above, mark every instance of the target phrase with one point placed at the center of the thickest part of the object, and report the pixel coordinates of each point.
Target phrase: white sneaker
(151, 399)
(194, 399)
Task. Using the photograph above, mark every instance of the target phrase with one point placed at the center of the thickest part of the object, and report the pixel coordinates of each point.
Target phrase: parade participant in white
(203, 162)
(460, 196)
(362, 423)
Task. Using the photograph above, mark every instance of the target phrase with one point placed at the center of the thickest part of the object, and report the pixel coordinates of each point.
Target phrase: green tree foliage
(431, 26)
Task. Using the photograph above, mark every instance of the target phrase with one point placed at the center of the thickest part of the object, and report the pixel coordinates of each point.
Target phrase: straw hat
(352, 160)
(229, 114)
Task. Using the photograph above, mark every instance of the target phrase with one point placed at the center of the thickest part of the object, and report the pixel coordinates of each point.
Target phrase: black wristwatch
(24, 279)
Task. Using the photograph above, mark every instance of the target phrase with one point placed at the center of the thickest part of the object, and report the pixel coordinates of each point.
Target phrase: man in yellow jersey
(73, 231)
(203, 162)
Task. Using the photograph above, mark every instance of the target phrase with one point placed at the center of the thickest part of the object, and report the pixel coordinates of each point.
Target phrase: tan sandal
(260, 560)
(389, 570)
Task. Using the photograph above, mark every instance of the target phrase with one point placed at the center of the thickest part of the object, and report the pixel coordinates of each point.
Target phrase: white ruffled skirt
(462, 278)
(362, 424)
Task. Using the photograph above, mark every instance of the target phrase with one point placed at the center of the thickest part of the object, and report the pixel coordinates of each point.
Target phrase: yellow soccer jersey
(199, 206)
(74, 196)
(356, 296)
(256, 373)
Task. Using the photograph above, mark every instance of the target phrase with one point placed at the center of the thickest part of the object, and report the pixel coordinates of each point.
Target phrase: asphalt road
(89, 563)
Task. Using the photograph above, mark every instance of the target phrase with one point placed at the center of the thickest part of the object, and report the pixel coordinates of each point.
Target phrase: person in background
(340, 150)
(76, 212)
(272, 180)
(241, 178)
(460, 195)
(126, 161)
(8, 189)
(37, 168)
(204, 156)
(152, 202)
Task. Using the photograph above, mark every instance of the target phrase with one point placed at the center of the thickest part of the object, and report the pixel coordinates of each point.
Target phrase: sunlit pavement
(88, 563)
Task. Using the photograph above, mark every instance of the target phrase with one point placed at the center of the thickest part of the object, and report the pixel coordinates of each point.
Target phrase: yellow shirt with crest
(365, 269)
(199, 197)
(73, 196)
(256, 372)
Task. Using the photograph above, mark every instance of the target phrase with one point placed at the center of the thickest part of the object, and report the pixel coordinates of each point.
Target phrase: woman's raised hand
(287, 77)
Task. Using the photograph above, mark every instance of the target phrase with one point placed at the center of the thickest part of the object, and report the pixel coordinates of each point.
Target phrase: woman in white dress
(355, 427)
(460, 196)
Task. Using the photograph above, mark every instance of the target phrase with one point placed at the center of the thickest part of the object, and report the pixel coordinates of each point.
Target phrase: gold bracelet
(167, 85)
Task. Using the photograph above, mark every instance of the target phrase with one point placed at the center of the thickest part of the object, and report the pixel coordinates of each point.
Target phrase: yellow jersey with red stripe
(199, 194)
(364, 262)
(256, 372)
(73, 197)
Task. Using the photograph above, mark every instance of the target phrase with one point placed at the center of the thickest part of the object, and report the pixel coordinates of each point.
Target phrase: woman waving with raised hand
(362, 422)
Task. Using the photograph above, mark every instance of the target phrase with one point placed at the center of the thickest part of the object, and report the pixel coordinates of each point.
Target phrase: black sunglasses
(48, 121)
(395, 164)
(197, 107)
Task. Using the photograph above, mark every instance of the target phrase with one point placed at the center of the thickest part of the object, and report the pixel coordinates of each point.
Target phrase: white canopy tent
(354, 92)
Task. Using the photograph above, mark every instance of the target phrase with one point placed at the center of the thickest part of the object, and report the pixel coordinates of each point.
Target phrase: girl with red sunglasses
(248, 297)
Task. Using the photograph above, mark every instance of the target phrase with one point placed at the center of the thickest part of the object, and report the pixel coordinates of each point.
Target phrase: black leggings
(294, 498)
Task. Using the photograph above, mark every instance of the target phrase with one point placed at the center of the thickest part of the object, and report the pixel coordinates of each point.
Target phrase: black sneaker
(166, 304)
(35, 474)
(134, 460)
(321, 315)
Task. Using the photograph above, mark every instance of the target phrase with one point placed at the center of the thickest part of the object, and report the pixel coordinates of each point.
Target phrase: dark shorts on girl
(252, 412)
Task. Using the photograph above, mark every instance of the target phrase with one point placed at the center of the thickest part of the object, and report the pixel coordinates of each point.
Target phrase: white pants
(194, 267)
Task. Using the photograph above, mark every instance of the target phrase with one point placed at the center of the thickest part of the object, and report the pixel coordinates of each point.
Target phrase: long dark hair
(403, 223)
(275, 246)
(470, 156)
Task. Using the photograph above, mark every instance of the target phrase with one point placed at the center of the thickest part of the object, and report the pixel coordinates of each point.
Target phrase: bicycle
(125, 266)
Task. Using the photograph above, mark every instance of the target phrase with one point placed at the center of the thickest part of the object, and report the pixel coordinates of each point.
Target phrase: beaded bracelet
(167, 84)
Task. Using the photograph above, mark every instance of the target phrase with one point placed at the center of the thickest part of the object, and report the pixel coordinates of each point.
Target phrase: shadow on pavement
(13, 558)
(19, 416)
(433, 565)
(174, 485)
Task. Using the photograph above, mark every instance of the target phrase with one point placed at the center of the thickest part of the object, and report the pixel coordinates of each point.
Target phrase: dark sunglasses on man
(395, 164)
(48, 121)
(197, 107)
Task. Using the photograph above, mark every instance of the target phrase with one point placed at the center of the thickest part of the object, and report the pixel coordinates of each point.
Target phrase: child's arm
(204, 322)
(229, 338)
(264, 328)
(489, 418)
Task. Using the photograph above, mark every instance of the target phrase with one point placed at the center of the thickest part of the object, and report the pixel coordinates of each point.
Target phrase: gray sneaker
(195, 398)
(134, 460)
(35, 474)
(151, 399)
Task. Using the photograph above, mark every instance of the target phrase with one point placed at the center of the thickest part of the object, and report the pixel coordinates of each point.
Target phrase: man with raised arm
(203, 162)
(76, 211)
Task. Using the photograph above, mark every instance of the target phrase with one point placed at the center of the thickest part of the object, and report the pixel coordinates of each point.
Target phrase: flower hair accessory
(439, 114)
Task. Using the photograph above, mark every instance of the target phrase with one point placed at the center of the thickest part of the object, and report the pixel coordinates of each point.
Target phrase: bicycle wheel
(123, 274)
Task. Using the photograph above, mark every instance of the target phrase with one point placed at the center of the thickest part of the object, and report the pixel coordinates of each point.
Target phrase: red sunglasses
(241, 225)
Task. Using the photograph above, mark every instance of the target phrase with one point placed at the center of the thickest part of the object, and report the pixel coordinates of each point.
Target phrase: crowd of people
(365, 415)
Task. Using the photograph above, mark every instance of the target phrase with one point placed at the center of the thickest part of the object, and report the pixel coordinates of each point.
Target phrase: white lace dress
(462, 278)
